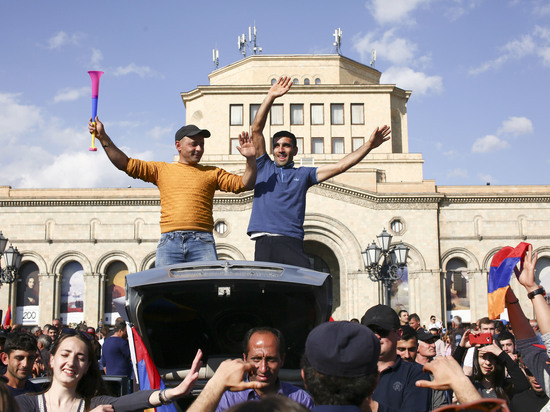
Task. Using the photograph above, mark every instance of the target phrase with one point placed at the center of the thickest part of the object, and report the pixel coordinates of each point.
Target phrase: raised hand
(282, 86)
(246, 146)
(379, 136)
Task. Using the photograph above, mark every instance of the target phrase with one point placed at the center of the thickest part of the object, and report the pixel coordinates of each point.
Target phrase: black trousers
(281, 249)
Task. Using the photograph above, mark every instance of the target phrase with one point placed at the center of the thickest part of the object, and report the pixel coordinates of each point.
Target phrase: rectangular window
(317, 114)
(357, 142)
(236, 114)
(357, 113)
(317, 145)
(300, 145)
(296, 114)
(276, 115)
(337, 114)
(253, 110)
(233, 146)
(337, 145)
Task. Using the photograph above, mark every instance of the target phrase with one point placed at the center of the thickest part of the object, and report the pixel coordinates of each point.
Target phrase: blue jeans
(183, 246)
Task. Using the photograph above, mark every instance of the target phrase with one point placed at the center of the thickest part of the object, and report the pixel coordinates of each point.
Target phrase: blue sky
(479, 72)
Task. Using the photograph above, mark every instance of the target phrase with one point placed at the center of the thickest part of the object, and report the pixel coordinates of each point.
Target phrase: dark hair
(20, 341)
(284, 133)
(485, 321)
(265, 329)
(337, 390)
(408, 333)
(120, 325)
(505, 335)
(498, 377)
(414, 316)
(401, 311)
(7, 401)
(272, 403)
(91, 383)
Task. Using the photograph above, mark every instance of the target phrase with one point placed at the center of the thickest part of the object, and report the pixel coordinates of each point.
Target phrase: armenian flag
(7, 318)
(149, 377)
(502, 267)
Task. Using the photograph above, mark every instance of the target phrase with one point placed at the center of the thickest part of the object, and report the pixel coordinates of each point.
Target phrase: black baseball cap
(424, 336)
(344, 349)
(382, 316)
(191, 130)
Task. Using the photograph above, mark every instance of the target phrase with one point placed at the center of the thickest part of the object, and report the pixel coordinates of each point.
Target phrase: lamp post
(12, 259)
(384, 264)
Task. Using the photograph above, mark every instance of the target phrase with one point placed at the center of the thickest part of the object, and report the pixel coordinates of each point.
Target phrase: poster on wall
(114, 288)
(28, 288)
(400, 291)
(72, 293)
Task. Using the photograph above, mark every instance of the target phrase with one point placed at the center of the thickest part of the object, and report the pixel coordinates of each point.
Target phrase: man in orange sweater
(186, 191)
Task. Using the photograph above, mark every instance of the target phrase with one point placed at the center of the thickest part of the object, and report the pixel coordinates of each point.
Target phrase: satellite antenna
(338, 40)
(216, 58)
(252, 40)
(373, 58)
(241, 41)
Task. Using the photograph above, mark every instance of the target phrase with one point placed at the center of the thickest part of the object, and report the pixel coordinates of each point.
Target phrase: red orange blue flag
(500, 273)
(149, 378)
(7, 318)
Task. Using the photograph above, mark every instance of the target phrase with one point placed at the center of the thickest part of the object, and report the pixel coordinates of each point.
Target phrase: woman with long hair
(490, 366)
(77, 386)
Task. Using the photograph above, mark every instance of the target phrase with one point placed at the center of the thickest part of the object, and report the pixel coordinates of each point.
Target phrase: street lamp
(385, 264)
(12, 258)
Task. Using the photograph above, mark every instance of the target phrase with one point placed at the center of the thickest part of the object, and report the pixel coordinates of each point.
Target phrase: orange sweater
(186, 192)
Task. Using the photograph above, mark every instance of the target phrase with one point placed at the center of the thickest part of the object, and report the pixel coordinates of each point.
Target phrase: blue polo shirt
(280, 198)
(396, 390)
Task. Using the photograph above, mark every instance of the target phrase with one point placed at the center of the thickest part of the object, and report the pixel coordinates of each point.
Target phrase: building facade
(78, 244)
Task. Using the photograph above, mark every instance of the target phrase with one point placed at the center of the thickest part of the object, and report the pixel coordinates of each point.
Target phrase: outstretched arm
(116, 156)
(378, 136)
(228, 376)
(247, 149)
(278, 89)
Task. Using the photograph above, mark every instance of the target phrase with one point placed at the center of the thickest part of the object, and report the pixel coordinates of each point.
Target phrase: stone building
(78, 244)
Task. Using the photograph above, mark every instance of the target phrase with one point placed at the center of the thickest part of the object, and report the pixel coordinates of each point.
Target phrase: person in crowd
(447, 340)
(407, 345)
(7, 400)
(439, 343)
(116, 357)
(281, 186)
(36, 331)
(186, 191)
(403, 317)
(426, 347)
(414, 321)
(58, 323)
(44, 343)
(18, 355)
(534, 358)
(485, 325)
(265, 348)
(51, 331)
(434, 323)
(396, 388)
(456, 331)
(77, 385)
(507, 342)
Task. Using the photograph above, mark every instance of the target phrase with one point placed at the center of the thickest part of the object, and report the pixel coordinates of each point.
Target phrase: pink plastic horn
(95, 76)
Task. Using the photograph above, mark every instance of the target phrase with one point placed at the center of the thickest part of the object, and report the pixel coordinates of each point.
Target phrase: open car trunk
(210, 305)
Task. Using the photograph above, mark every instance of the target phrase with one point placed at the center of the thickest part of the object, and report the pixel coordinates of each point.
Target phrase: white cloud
(395, 49)
(407, 78)
(458, 8)
(141, 71)
(96, 59)
(16, 119)
(159, 132)
(452, 154)
(536, 43)
(488, 144)
(394, 11)
(70, 94)
(61, 39)
(542, 9)
(516, 126)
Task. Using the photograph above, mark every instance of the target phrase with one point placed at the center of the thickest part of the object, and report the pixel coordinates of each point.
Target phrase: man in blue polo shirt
(264, 348)
(278, 210)
(396, 390)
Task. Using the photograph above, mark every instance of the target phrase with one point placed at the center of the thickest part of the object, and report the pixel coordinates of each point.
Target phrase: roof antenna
(241, 41)
(338, 40)
(216, 58)
(373, 58)
(252, 38)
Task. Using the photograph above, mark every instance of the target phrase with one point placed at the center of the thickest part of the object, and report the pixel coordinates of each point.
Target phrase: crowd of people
(383, 362)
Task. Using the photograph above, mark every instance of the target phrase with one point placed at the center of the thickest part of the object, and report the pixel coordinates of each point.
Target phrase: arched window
(306, 81)
(114, 288)
(317, 81)
(72, 293)
(273, 81)
(28, 289)
(456, 285)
